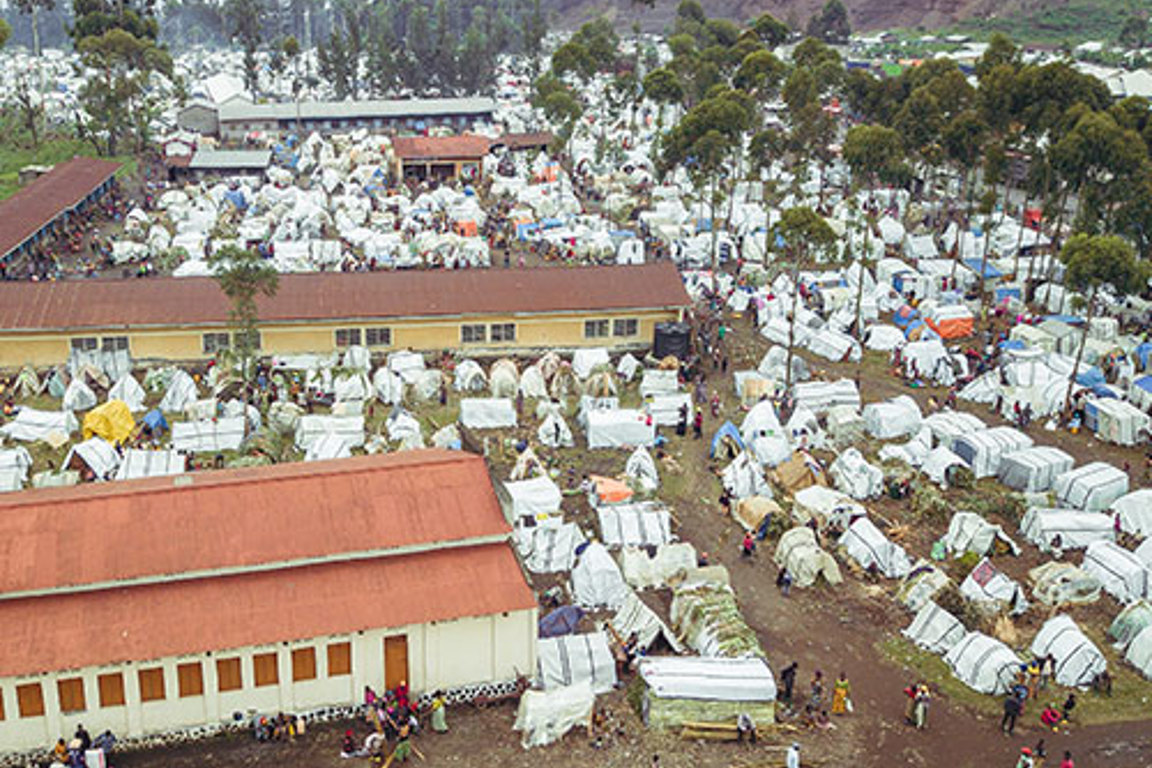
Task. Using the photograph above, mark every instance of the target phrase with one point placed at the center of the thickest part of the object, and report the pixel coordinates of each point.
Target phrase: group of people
(73, 754)
(281, 727)
(394, 719)
(919, 697)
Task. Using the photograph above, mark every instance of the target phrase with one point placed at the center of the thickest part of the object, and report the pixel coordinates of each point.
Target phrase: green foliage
(805, 233)
(874, 151)
(991, 499)
(663, 86)
(831, 23)
(243, 277)
(950, 599)
(1093, 261)
(709, 132)
(771, 30)
(928, 505)
(5, 32)
(759, 73)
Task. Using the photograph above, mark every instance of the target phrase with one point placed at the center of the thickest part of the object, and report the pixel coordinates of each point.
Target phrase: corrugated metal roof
(168, 302)
(239, 110)
(440, 147)
(244, 519)
(40, 202)
(223, 159)
(156, 621)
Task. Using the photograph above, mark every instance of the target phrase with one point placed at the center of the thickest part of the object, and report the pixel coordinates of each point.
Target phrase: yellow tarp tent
(111, 420)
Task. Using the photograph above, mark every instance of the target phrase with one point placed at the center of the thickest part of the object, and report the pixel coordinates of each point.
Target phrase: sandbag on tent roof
(830, 507)
(1034, 470)
(820, 396)
(641, 469)
(706, 617)
(934, 629)
(855, 476)
(798, 552)
(643, 569)
(865, 544)
(534, 497)
(1060, 529)
(596, 579)
(545, 716)
(1056, 583)
(635, 525)
(1117, 421)
(570, 659)
(947, 425)
(554, 432)
(532, 383)
(328, 446)
(984, 450)
(983, 663)
(181, 393)
(97, 454)
(209, 435)
(504, 379)
(1139, 653)
(487, 412)
(1130, 622)
(1121, 572)
(129, 391)
(893, 418)
(1092, 487)
(620, 428)
(78, 397)
(137, 463)
(30, 425)
(968, 532)
(1135, 512)
(550, 546)
(678, 690)
(1078, 660)
(636, 617)
(469, 377)
(111, 420)
(987, 584)
(313, 426)
(585, 360)
(743, 478)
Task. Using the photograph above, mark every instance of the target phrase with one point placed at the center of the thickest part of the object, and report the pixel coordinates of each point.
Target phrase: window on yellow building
(378, 337)
(626, 327)
(114, 343)
(71, 693)
(473, 334)
(595, 329)
(85, 344)
(503, 331)
(347, 337)
(216, 342)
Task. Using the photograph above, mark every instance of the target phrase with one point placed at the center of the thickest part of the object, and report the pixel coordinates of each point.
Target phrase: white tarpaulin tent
(534, 497)
(98, 454)
(636, 617)
(743, 478)
(798, 552)
(643, 570)
(1120, 571)
(968, 532)
(15, 463)
(31, 425)
(1139, 653)
(1034, 470)
(620, 428)
(712, 679)
(986, 584)
(855, 476)
(1056, 530)
(78, 397)
(1092, 487)
(983, 451)
(641, 469)
(180, 394)
(554, 432)
(328, 446)
(570, 659)
(657, 381)
(128, 390)
(829, 506)
(550, 546)
(820, 396)
(545, 716)
(948, 425)
(1078, 660)
(635, 525)
(596, 579)
(584, 361)
(139, 463)
(314, 425)
(983, 663)
(1135, 511)
(1058, 583)
(865, 544)
(1119, 422)
(665, 409)
(209, 435)
(893, 418)
(487, 413)
(937, 464)
(934, 629)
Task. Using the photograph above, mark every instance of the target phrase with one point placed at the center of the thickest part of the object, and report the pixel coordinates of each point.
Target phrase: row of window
(212, 343)
(368, 337)
(105, 344)
(598, 329)
(189, 680)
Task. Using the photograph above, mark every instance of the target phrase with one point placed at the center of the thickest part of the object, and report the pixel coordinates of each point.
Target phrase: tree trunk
(792, 323)
(860, 280)
(36, 34)
(1079, 356)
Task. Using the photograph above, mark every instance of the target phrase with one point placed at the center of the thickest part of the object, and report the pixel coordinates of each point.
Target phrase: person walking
(698, 424)
(816, 691)
(841, 695)
(748, 546)
(1011, 712)
(792, 760)
(1067, 762)
(920, 711)
(788, 681)
(1025, 760)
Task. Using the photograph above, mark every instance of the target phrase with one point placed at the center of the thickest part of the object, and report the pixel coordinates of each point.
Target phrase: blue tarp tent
(527, 230)
(155, 420)
(1007, 292)
(990, 272)
(1067, 319)
(1143, 383)
(1143, 352)
(1012, 344)
(1093, 379)
(562, 621)
(236, 197)
(728, 429)
(904, 316)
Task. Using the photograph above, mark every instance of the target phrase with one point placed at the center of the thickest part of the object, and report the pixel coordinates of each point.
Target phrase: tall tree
(245, 18)
(33, 9)
(805, 234)
(831, 23)
(243, 276)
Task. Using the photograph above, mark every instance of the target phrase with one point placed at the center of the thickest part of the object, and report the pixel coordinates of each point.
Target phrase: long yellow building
(490, 311)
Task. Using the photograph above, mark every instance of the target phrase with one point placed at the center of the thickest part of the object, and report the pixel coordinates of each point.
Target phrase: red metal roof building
(439, 157)
(28, 215)
(320, 577)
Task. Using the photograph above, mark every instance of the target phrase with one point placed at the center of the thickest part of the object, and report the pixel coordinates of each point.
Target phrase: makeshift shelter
(801, 471)
(855, 476)
(1056, 583)
(751, 511)
(532, 383)
(209, 435)
(1130, 622)
(1078, 660)
(940, 465)
(798, 552)
(489, 413)
(665, 410)
(680, 690)
(934, 629)
(504, 379)
(845, 425)
(659, 381)
(179, 394)
(893, 418)
(1055, 530)
(554, 432)
(635, 525)
(313, 426)
(636, 617)
(584, 361)
(983, 451)
(549, 545)
(948, 425)
(706, 617)
(951, 321)
(596, 579)
(1092, 487)
(983, 663)
(608, 490)
(987, 584)
(921, 584)
(641, 470)
(328, 446)
(914, 452)
(400, 426)
(1135, 512)
(865, 544)
(627, 367)
(742, 478)
(535, 497)
(128, 390)
(561, 621)
(1033, 470)
(620, 428)
(830, 508)
(78, 397)
(14, 466)
(655, 566)
(111, 420)
(545, 716)
(137, 463)
(1122, 574)
(968, 532)
(570, 659)
(1139, 652)
(469, 377)
(820, 396)
(1117, 421)
(97, 455)
(31, 425)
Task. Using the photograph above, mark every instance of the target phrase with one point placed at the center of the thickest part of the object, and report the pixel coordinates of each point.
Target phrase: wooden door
(395, 661)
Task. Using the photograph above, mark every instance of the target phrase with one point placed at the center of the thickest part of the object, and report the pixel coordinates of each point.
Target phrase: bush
(950, 599)
(928, 504)
(988, 501)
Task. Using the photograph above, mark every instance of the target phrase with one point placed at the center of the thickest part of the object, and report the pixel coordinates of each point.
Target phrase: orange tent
(466, 228)
(610, 491)
(953, 327)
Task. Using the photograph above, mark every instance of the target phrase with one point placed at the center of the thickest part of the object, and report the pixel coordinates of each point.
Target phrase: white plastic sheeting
(596, 579)
(487, 413)
(986, 584)
(15, 463)
(1075, 529)
(1122, 574)
(129, 391)
(210, 435)
(893, 418)
(98, 454)
(938, 462)
(328, 446)
(855, 476)
(743, 478)
(830, 507)
(620, 428)
(820, 396)
(549, 547)
(534, 497)
(554, 432)
(865, 544)
(313, 426)
(635, 525)
(643, 570)
(180, 394)
(30, 425)
(139, 463)
(585, 360)
(1034, 470)
(641, 469)
(948, 425)
(983, 451)
(968, 532)
(78, 397)
(798, 552)
(545, 716)
(1135, 511)
(710, 679)
(569, 659)
(983, 663)
(1139, 653)
(1092, 487)
(1078, 660)
(934, 629)
(636, 617)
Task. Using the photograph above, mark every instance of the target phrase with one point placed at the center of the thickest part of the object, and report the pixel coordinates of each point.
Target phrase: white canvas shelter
(655, 381)
(938, 462)
(865, 544)
(128, 390)
(968, 532)
(928, 359)
(948, 425)
(488, 413)
(210, 435)
(1139, 653)
(535, 497)
(1092, 487)
(545, 716)
(388, 385)
(1120, 422)
(934, 629)
(1058, 583)
(922, 584)
(1075, 528)
(987, 584)
(798, 552)
(1130, 622)
(893, 418)
(139, 463)
(636, 617)
(1135, 511)
(504, 379)
(403, 426)
(914, 452)
(328, 446)
(1121, 572)
(1034, 470)
(15, 463)
(31, 425)
(469, 377)
(314, 425)
(620, 428)
(829, 506)
(643, 570)
(834, 345)
(707, 678)
(181, 393)
(665, 409)
(641, 470)
(983, 451)
(983, 663)
(585, 360)
(820, 396)
(78, 397)
(855, 476)
(532, 383)
(884, 338)
(845, 425)
(550, 546)
(596, 579)
(635, 525)
(554, 432)
(743, 478)
(570, 659)
(98, 454)
(1078, 660)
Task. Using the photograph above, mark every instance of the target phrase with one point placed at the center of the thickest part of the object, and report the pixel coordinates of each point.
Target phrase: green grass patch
(1071, 23)
(50, 152)
(931, 668)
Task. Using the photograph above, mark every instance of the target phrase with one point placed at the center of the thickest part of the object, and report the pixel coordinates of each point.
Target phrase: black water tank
(672, 339)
